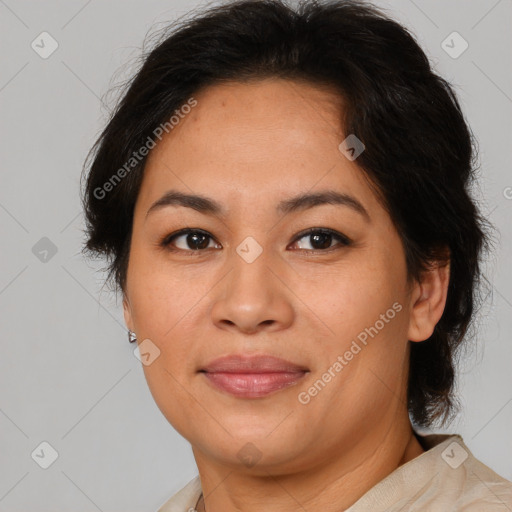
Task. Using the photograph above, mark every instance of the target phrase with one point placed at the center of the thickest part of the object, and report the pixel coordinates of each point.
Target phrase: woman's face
(251, 283)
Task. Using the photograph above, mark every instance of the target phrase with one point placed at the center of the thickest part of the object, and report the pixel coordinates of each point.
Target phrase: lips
(252, 364)
(252, 376)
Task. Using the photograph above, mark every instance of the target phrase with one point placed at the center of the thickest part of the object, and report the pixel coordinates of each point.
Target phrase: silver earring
(131, 336)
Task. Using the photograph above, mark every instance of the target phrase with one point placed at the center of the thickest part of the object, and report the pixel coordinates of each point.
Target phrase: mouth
(252, 376)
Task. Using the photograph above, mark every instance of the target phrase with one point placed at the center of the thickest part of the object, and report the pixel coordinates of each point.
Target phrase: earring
(131, 336)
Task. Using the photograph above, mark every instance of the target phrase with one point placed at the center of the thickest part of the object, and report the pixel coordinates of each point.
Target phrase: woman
(282, 194)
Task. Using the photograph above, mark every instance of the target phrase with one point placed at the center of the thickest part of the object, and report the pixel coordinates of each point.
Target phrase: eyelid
(165, 242)
(344, 240)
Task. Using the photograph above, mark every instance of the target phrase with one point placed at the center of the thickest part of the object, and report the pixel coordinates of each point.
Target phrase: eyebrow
(301, 202)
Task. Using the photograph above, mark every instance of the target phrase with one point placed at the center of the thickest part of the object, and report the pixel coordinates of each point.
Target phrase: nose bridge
(249, 261)
(252, 296)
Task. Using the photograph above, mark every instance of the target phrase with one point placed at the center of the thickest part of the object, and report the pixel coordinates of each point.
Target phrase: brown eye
(188, 240)
(321, 239)
(196, 240)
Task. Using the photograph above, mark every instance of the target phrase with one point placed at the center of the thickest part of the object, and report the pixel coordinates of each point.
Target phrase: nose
(253, 296)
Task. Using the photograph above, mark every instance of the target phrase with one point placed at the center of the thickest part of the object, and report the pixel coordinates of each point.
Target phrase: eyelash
(165, 242)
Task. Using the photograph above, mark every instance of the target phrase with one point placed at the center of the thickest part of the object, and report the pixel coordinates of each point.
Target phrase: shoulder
(185, 499)
(446, 477)
(461, 481)
(482, 488)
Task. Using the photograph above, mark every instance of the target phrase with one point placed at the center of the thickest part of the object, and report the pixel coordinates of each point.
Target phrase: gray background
(67, 373)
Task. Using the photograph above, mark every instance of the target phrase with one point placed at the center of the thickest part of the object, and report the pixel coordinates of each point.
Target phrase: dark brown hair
(419, 157)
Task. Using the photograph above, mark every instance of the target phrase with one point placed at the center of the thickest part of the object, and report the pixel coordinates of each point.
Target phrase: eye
(192, 240)
(197, 240)
(321, 239)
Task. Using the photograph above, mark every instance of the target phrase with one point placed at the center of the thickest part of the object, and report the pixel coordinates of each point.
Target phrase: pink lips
(252, 376)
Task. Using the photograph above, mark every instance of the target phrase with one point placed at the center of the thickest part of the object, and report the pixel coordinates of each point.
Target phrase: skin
(248, 146)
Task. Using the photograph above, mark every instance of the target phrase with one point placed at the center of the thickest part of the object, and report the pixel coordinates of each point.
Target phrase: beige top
(445, 478)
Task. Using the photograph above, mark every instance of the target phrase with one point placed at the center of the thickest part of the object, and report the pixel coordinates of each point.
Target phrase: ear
(428, 300)
(127, 313)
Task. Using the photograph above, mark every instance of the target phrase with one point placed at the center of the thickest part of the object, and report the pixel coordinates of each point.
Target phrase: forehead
(255, 142)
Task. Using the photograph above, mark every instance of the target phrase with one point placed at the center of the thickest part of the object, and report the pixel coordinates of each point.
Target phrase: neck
(320, 489)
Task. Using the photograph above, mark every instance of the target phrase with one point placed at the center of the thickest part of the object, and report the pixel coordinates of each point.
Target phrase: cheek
(365, 312)
(352, 297)
(170, 394)
(158, 295)
(362, 370)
